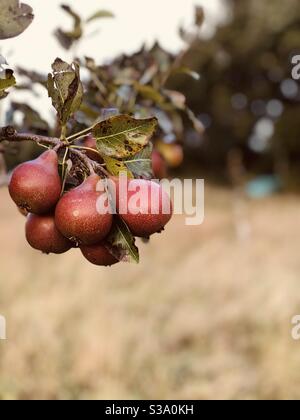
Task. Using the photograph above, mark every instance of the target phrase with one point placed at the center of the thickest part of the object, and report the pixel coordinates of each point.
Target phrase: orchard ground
(205, 314)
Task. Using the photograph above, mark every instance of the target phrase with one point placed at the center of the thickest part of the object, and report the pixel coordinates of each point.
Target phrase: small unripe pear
(35, 186)
(78, 215)
(146, 208)
(42, 234)
(98, 255)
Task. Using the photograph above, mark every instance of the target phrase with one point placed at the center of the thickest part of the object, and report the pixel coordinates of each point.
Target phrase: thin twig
(81, 134)
(88, 149)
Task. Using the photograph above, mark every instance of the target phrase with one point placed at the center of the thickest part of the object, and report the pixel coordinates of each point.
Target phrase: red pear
(80, 217)
(42, 234)
(35, 186)
(159, 166)
(98, 255)
(172, 153)
(145, 207)
(90, 142)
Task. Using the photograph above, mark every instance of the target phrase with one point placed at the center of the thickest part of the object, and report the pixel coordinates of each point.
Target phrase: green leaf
(122, 136)
(67, 38)
(15, 17)
(187, 71)
(65, 89)
(100, 15)
(7, 80)
(115, 167)
(148, 92)
(121, 243)
(141, 164)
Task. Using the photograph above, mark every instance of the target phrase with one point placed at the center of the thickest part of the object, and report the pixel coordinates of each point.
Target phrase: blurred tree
(246, 97)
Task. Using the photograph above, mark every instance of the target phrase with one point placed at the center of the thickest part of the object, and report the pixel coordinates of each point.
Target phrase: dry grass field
(205, 314)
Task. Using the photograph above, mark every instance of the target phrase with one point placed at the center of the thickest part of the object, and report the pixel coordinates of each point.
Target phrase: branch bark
(10, 134)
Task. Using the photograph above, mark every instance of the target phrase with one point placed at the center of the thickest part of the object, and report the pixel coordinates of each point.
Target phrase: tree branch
(89, 163)
(85, 159)
(10, 134)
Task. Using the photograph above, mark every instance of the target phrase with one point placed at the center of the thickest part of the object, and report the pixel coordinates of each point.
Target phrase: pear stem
(80, 134)
(88, 149)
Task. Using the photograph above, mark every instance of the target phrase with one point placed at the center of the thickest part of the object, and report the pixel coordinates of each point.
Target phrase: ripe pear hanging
(159, 166)
(91, 152)
(145, 207)
(98, 255)
(78, 216)
(42, 234)
(35, 186)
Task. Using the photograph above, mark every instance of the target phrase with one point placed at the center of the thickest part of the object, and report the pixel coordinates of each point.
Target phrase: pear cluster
(57, 222)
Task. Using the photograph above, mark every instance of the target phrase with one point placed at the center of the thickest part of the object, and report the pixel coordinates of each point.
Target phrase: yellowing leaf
(122, 136)
(115, 167)
(7, 80)
(15, 17)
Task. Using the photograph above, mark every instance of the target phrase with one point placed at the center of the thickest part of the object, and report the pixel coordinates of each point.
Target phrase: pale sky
(136, 21)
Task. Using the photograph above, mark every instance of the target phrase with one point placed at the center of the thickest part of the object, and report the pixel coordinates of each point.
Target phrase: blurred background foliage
(238, 84)
(246, 97)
